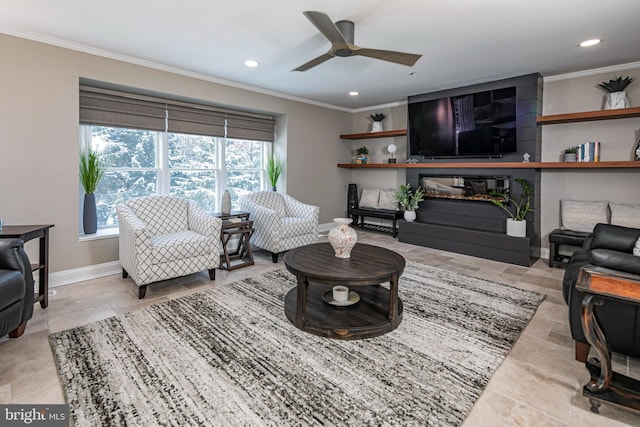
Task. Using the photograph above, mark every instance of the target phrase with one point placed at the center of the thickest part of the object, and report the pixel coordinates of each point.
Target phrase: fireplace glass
(471, 188)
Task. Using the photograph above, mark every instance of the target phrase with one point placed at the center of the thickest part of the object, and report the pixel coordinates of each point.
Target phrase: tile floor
(538, 384)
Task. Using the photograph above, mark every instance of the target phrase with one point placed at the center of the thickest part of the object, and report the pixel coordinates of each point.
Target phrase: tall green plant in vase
(516, 209)
(92, 168)
(274, 169)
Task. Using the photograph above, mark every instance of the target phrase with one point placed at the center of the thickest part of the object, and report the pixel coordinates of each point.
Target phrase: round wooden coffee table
(317, 270)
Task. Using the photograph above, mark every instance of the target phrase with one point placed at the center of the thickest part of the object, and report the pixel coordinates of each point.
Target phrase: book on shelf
(589, 152)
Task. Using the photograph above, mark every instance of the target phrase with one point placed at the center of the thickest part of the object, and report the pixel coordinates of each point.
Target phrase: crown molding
(592, 72)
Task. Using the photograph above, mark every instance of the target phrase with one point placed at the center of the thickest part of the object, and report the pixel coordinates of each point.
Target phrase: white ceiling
(462, 42)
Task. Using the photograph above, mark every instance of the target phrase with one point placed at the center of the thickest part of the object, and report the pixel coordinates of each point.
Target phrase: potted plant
(616, 96)
(409, 200)
(362, 155)
(571, 154)
(516, 224)
(377, 118)
(92, 167)
(274, 169)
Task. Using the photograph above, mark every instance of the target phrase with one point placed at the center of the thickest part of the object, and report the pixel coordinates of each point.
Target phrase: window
(152, 146)
(197, 167)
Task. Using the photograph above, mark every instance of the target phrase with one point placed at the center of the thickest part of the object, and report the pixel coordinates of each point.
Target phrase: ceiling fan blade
(317, 61)
(324, 24)
(408, 59)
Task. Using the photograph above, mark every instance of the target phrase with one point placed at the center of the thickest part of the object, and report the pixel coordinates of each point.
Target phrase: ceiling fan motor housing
(346, 28)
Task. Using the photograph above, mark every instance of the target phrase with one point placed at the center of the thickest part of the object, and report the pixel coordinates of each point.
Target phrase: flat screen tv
(481, 124)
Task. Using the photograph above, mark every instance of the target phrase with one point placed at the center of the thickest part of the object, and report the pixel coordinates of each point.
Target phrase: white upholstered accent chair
(280, 221)
(162, 237)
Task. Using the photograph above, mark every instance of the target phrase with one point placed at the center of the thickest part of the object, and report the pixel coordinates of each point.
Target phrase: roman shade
(106, 107)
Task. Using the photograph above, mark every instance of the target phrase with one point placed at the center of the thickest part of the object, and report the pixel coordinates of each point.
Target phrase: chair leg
(582, 351)
(142, 291)
(274, 257)
(212, 274)
(124, 274)
(19, 330)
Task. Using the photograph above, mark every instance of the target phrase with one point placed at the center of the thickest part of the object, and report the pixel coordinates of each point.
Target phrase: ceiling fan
(340, 35)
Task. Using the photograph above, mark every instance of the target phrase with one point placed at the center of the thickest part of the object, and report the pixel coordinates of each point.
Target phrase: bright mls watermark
(34, 415)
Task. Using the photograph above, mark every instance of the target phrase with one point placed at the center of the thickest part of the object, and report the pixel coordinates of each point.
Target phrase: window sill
(103, 233)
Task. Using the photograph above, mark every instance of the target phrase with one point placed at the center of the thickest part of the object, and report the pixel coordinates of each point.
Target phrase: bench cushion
(580, 215)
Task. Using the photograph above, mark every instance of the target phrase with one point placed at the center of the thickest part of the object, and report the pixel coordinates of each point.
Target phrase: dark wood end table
(317, 269)
(236, 224)
(26, 233)
(601, 285)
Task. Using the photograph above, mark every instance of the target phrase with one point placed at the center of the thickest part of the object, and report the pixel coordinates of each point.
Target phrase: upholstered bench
(358, 215)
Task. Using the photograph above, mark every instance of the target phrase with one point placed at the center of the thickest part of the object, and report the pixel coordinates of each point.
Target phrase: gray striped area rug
(229, 357)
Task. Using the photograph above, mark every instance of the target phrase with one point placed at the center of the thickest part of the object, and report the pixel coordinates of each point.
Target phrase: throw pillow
(387, 200)
(369, 198)
(581, 215)
(625, 214)
(636, 249)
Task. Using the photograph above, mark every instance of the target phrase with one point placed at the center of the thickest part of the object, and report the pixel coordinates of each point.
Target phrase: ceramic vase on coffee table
(342, 237)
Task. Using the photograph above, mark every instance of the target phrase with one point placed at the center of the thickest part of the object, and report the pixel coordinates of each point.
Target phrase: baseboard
(66, 277)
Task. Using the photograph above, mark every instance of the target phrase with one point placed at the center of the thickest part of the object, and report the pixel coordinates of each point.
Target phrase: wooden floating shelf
(496, 165)
(587, 116)
(369, 135)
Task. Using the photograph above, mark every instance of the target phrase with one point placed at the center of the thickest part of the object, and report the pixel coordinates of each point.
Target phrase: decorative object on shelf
(92, 167)
(342, 237)
(361, 153)
(225, 204)
(377, 118)
(526, 157)
(274, 169)
(616, 96)
(516, 224)
(409, 200)
(637, 151)
(570, 154)
(391, 148)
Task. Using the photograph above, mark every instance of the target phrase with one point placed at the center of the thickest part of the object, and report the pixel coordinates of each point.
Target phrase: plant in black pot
(92, 167)
(516, 209)
(616, 96)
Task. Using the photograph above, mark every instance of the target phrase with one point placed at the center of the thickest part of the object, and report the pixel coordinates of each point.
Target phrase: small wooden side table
(236, 224)
(26, 233)
(599, 286)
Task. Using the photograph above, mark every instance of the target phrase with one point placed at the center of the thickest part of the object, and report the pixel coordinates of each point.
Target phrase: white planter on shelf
(376, 127)
(409, 216)
(516, 228)
(616, 100)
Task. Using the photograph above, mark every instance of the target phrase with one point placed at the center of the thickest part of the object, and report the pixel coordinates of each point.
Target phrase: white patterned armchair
(280, 221)
(162, 237)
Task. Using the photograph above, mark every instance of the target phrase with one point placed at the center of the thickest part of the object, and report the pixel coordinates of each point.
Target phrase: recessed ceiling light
(590, 42)
(251, 63)
(354, 93)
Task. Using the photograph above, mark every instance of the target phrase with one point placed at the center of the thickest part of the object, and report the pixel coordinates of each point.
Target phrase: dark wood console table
(26, 233)
(317, 269)
(601, 285)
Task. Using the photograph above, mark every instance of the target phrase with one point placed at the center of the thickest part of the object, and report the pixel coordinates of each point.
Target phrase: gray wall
(39, 140)
(618, 137)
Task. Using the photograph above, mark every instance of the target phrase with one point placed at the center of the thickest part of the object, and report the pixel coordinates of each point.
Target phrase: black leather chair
(611, 247)
(16, 288)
